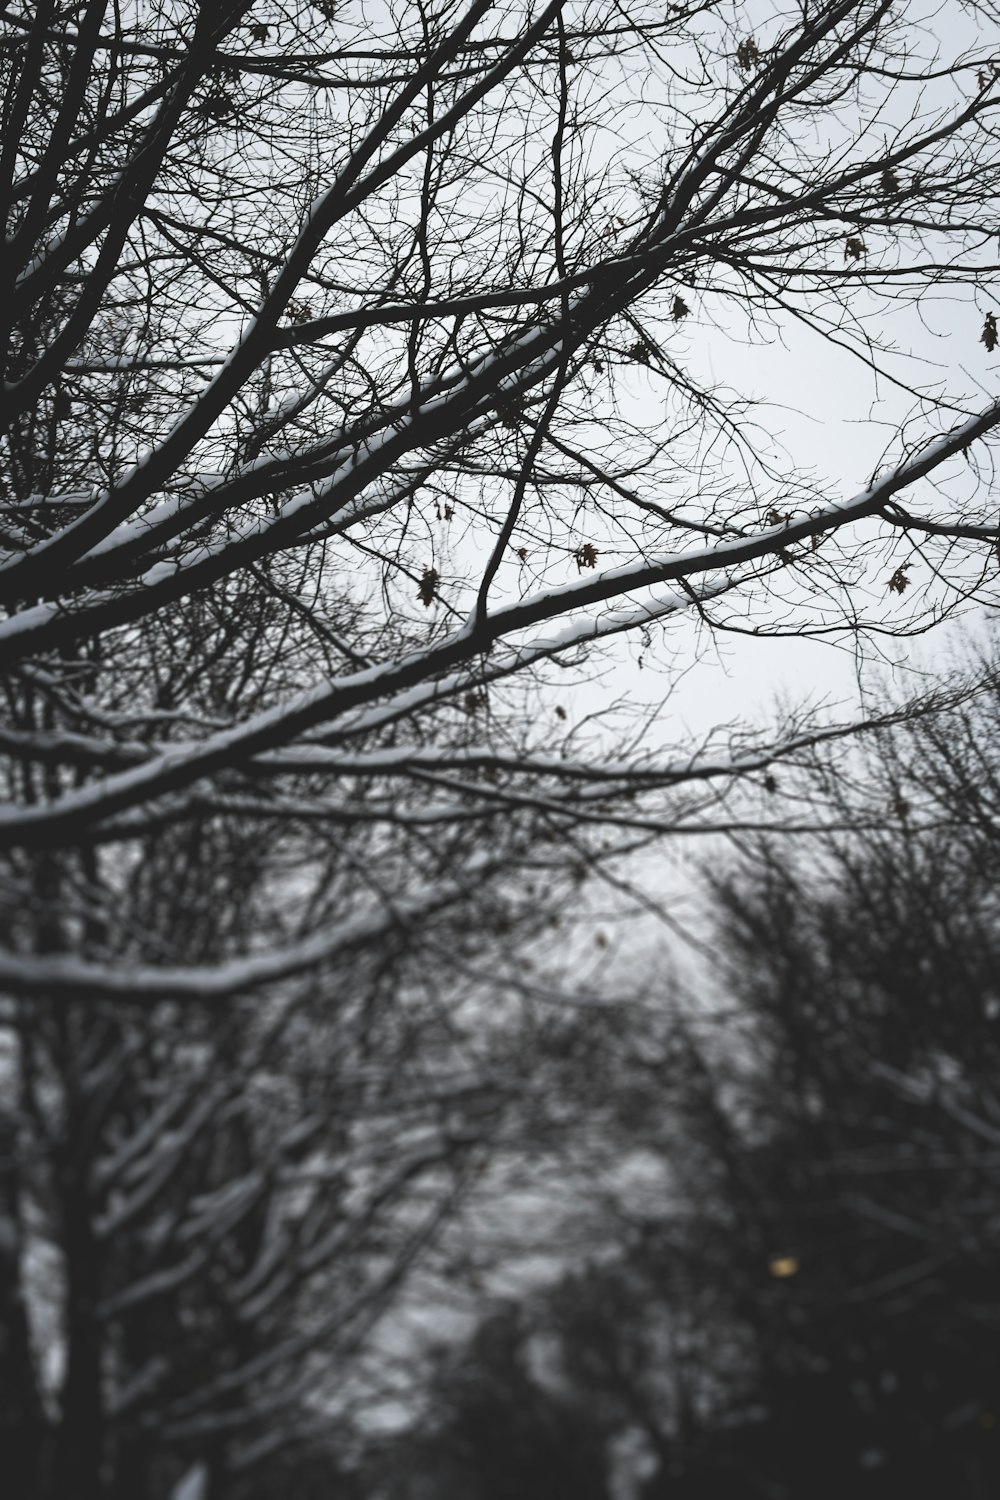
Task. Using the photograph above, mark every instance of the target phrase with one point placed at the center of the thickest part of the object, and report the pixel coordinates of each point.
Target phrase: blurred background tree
(809, 1302)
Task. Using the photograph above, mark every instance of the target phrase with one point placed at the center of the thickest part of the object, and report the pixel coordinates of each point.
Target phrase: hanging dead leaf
(989, 333)
(640, 352)
(522, 553)
(854, 247)
(427, 591)
(298, 311)
(770, 785)
(900, 580)
(586, 556)
(747, 55)
(679, 309)
(560, 711)
(259, 32)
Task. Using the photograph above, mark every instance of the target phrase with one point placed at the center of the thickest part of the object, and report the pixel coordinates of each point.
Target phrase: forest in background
(380, 453)
(803, 1301)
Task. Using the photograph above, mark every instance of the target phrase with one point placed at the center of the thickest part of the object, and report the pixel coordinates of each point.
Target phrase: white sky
(829, 413)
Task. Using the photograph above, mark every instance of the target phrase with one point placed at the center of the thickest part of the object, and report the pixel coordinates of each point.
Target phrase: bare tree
(208, 1211)
(330, 348)
(361, 322)
(802, 1299)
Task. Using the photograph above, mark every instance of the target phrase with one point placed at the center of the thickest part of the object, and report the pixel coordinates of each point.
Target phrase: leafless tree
(802, 1299)
(207, 1211)
(352, 398)
(361, 323)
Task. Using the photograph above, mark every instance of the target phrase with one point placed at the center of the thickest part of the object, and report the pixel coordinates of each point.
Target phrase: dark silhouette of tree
(809, 1305)
(329, 345)
(324, 344)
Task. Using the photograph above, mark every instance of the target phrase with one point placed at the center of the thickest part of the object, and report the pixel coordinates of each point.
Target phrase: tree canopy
(367, 367)
(361, 402)
(804, 1301)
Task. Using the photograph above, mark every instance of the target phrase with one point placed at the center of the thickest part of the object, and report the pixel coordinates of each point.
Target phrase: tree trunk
(22, 1418)
(80, 1439)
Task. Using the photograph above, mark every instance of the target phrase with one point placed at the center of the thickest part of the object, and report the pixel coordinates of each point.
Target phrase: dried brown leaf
(427, 591)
